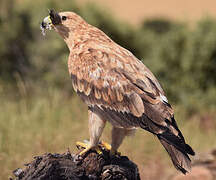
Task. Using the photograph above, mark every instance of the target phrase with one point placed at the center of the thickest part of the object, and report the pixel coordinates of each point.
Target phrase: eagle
(117, 88)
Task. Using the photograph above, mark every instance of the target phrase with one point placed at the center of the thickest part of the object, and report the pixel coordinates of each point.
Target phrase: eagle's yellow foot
(108, 147)
(105, 145)
(86, 147)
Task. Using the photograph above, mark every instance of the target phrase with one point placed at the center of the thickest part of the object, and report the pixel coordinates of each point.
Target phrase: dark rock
(67, 166)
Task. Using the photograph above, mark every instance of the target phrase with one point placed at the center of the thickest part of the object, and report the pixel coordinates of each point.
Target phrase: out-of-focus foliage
(182, 58)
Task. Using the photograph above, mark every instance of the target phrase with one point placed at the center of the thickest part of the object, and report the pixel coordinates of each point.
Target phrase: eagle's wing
(117, 80)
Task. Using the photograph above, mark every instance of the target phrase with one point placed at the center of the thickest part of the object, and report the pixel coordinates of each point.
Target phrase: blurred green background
(39, 111)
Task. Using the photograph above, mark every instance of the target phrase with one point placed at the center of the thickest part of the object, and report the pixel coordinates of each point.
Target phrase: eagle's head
(64, 23)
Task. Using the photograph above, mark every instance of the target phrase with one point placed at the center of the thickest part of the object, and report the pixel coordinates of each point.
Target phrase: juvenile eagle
(118, 88)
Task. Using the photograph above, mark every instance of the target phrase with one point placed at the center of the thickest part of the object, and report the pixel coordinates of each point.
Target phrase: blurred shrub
(16, 33)
(159, 26)
(182, 58)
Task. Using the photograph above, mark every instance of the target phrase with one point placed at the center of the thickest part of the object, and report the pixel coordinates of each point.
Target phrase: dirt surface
(134, 11)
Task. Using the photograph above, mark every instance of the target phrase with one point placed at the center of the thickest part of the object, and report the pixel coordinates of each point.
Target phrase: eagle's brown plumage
(118, 88)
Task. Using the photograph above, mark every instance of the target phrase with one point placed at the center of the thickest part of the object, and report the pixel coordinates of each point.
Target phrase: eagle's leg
(96, 126)
(118, 135)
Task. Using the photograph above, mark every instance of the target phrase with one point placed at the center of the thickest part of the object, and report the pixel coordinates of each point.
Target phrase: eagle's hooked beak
(49, 21)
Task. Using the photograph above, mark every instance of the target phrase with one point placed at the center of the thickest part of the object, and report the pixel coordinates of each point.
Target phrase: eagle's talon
(77, 159)
(108, 147)
(87, 147)
(82, 145)
(105, 145)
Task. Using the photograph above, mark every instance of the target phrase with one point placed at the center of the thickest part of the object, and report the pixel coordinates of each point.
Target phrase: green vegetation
(40, 112)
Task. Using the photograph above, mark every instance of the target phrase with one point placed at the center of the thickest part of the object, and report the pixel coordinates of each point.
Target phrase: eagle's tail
(178, 151)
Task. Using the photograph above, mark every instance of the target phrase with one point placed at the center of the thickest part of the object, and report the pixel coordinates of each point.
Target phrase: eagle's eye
(64, 18)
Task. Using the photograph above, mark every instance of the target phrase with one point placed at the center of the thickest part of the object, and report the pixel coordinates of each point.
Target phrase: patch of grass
(41, 124)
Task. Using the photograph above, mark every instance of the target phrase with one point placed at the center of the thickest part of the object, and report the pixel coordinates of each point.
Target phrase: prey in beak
(50, 21)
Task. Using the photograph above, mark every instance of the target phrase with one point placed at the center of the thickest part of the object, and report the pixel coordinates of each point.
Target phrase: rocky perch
(68, 166)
